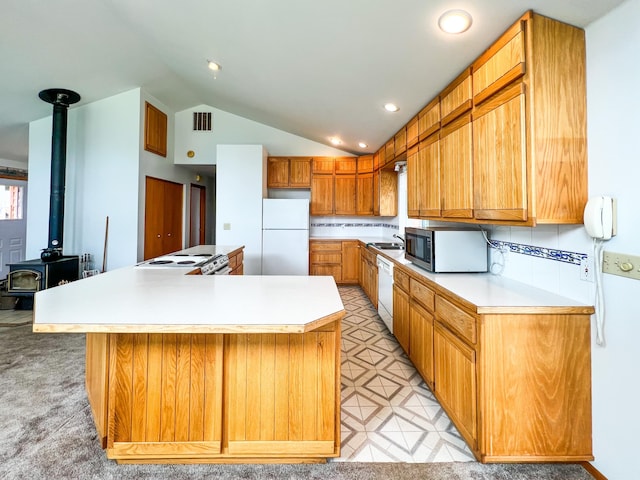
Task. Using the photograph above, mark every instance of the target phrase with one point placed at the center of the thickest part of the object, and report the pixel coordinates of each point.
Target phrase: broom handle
(104, 253)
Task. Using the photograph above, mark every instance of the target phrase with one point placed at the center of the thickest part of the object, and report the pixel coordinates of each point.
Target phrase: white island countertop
(166, 300)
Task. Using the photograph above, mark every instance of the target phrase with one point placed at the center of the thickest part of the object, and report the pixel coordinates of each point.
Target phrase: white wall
(613, 103)
(101, 179)
(13, 164)
(241, 186)
(230, 129)
(164, 168)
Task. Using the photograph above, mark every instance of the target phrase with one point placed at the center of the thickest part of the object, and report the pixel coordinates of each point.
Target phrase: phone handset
(600, 224)
(600, 217)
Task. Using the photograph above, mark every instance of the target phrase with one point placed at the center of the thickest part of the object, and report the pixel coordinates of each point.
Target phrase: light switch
(621, 264)
(226, 226)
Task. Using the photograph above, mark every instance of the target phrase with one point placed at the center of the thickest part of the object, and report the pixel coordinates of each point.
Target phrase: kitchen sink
(387, 245)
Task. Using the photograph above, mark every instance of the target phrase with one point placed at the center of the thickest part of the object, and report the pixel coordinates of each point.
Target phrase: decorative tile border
(359, 225)
(540, 252)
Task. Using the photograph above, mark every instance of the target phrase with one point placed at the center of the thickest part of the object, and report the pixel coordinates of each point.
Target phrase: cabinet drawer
(456, 319)
(325, 258)
(334, 271)
(325, 246)
(401, 279)
(503, 63)
(423, 295)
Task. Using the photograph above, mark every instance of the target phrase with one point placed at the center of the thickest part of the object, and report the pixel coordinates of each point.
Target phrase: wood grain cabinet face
(429, 119)
(421, 341)
(322, 195)
(429, 178)
(456, 167)
(277, 172)
(300, 172)
(345, 195)
(500, 158)
(455, 380)
(364, 192)
(413, 180)
(456, 99)
(350, 262)
(401, 321)
(155, 130)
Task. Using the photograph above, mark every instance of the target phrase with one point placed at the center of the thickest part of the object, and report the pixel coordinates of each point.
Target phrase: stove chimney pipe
(61, 99)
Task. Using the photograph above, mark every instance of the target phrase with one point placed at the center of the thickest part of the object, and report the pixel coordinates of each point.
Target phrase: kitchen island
(218, 369)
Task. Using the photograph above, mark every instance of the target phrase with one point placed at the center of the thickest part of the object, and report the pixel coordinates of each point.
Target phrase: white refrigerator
(285, 236)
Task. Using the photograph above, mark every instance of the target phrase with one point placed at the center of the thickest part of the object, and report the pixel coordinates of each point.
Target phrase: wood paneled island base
(217, 398)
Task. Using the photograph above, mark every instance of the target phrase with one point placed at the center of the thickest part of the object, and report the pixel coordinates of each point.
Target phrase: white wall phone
(600, 217)
(600, 224)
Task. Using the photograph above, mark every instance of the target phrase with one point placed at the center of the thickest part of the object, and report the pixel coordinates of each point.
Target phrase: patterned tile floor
(388, 412)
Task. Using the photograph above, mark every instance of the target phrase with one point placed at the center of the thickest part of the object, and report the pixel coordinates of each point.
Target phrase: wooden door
(456, 181)
(173, 202)
(429, 199)
(500, 157)
(277, 172)
(376, 192)
(421, 341)
(162, 218)
(455, 381)
(345, 194)
(364, 191)
(350, 262)
(401, 324)
(322, 193)
(300, 172)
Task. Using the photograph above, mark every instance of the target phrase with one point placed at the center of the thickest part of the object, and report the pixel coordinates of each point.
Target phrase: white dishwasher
(385, 291)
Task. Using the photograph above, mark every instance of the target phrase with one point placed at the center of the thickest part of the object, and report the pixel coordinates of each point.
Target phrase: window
(11, 197)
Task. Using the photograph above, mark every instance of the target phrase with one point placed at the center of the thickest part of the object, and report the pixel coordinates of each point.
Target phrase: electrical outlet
(587, 269)
(621, 264)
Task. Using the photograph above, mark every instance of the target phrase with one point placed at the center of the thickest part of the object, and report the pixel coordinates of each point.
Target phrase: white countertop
(490, 293)
(166, 300)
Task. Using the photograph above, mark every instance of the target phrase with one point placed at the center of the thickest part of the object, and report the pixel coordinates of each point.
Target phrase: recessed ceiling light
(454, 21)
(362, 145)
(214, 66)
(390, 107)
(335, 140)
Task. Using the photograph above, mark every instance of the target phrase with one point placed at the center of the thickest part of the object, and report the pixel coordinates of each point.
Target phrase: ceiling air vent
(202, 121)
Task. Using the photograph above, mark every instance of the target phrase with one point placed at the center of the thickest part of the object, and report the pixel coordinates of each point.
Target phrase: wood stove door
(24, 281)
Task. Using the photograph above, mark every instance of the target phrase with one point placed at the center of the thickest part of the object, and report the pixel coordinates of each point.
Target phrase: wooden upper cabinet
(413, 192)
(429, 198)
(300, 172)
(412, 132)
(456, 169)
(155, 130)
(400, 142)
(364, 193)
(345, 195)
(376, 160)
(388, 191)
(365, 164)
(294, 172)
(323, 165)
(389, 151)
(500, 64)
(429, 119)
(322, 195)
(346, 165)
(500, 157)
(456, 99)
(277, 172)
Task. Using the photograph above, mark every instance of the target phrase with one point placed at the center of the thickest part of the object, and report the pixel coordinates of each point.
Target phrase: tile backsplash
(353, 227)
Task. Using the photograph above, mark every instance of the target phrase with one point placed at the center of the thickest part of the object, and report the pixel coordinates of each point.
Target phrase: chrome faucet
(399, 238)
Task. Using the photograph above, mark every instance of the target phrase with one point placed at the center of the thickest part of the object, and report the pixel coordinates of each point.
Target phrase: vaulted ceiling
(313, 68)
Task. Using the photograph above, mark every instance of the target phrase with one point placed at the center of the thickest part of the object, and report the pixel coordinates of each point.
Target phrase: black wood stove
(52, 268)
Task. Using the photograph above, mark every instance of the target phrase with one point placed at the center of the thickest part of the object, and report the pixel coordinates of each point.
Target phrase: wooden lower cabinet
(337, 258)
(455, 380)
(183, 398)
(401, 323)
(236, 262)
(369, 274)
(516, 382)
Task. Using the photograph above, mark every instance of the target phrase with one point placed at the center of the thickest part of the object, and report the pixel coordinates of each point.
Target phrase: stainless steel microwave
(445, 249)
